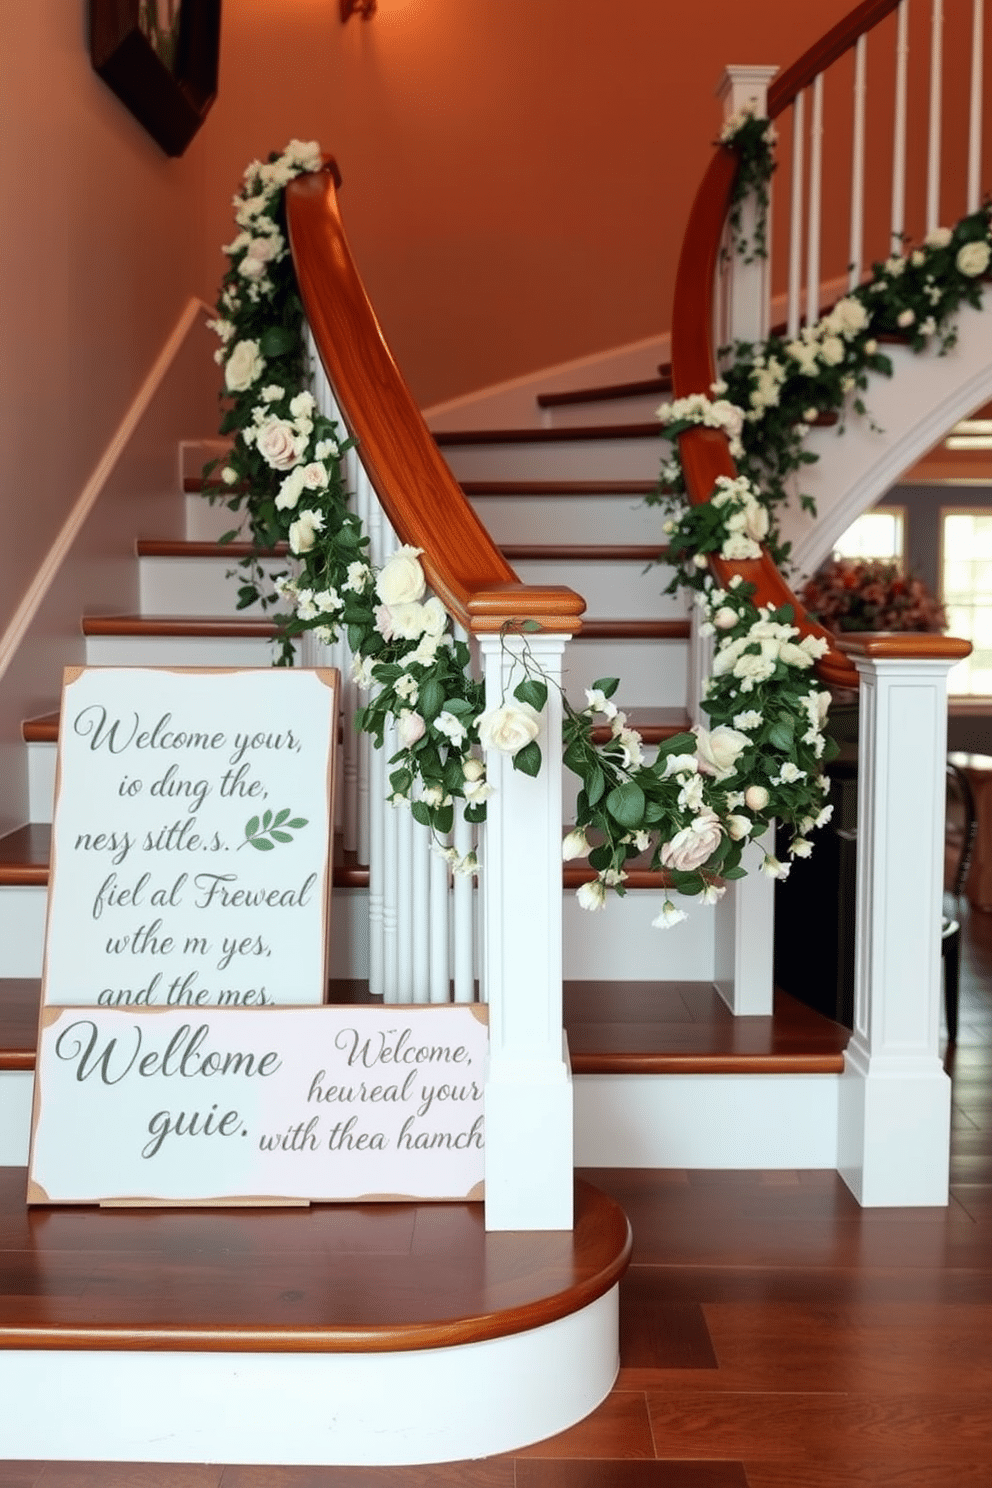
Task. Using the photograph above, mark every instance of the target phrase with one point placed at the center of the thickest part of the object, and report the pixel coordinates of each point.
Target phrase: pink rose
(278, 444)
(690, 848)
(409, 728)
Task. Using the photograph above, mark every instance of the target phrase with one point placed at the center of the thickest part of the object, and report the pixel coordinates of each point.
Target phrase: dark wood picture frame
(173, 102)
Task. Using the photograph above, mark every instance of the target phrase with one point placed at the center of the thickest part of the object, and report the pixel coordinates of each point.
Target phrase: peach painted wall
(516, 172)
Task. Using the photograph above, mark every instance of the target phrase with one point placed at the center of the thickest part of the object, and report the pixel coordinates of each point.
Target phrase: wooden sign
(262, 1105)
(190, 844)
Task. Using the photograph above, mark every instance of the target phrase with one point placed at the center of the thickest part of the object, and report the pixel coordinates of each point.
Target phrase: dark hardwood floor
(774, 1335)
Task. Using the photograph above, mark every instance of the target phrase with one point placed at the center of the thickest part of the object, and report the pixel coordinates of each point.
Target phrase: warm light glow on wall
(364, 8)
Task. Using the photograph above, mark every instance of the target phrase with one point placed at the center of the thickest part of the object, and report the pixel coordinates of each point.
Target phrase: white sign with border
(190, 858)
(265, 1105)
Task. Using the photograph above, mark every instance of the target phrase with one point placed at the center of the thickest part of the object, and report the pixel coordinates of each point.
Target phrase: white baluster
(376, 864)
(899, 129)
(405, 872)
(528, 1087)
(815, 203)
(796, 216)
(420, 948)
(933, 144)
(440, 981)
(858, 163)
(390, 879)
(463, 918)
(975, 109)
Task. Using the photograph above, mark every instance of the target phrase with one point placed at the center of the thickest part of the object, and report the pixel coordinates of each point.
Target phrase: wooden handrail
(838, 40)
(418, 492)
(705, 453)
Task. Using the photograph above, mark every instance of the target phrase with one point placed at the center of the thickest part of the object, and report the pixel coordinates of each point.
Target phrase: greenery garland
(691, 810)
(771, 393)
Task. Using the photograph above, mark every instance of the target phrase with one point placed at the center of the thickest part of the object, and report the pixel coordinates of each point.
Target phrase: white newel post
(747, 302)
(894, 1121)
(528, 1101)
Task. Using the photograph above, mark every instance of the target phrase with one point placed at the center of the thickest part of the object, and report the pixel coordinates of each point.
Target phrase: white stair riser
(582, 459)
(195, 586)
(179, 651)
(632, 1121)
(208, 522)
(612, 590)
(41, 780)
(639, 410)
(569, 519)
(652, 673)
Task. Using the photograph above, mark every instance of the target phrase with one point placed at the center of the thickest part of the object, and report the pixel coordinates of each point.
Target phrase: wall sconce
(364, 8)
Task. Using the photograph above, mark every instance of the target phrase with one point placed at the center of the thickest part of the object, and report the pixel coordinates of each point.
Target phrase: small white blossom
(668, 917)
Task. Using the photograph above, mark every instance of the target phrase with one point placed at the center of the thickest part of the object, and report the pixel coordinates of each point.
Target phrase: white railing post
(894, 1119)
(528, 1101)
(748, 297)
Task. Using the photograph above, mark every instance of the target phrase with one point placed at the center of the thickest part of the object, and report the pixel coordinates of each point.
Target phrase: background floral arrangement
(870, 594)
(692, 809)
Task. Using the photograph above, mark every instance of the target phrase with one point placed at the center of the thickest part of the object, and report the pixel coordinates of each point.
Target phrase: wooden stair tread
(331, 1278)
(164, 547)
(686, 1028)
(653, 724)
(452, 438)
(633, 630)
(177, 625)
(559, 487)
(647, 386)
(626, 1027)
(25, 852)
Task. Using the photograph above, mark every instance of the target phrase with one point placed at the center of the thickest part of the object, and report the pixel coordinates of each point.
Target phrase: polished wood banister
(418, 492)
(705, 453)
(838, 40)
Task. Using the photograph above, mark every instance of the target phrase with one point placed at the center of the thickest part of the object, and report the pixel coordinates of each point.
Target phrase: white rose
(244, 366)
(905, 317)
(303, 532)
(738, 547)
(718, 750)
(938, 237)
(302, 405)
(509, 728)
(278, 444)
(800, 848)
(773, 868)
(690, 848)
(434, 617)
(358, 575)
(229, 476)
(751, 669)
(398, 622)
(575, 845)
(832, 351)
(756, 798)
(739, 826)
(291, 490)
(591, 896)
(973, 259)
(409, 728)
(451, 727)
(473, 769)
(668, 917)
(402, 581)
(725, 618)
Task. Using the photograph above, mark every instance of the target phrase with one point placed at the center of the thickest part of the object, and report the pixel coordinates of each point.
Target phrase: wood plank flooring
(774, 1335)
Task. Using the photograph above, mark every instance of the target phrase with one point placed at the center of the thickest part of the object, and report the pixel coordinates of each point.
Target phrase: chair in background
(960, 829)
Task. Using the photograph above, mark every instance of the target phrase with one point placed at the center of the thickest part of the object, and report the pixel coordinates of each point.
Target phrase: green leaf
(533, 692)
(276, 341)
(281, 836)
(595, 785)
(625, 803)
(606, 685)
(251, 826)
(297, 822)
(280, 817)
(262, 843)
(782, 735)
(732, 873)
(421, 812)
(528, 759)
(431, 699)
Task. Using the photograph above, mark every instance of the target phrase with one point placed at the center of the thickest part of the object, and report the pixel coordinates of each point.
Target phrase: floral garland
(871, 594)
(771, 393)
(692, 809)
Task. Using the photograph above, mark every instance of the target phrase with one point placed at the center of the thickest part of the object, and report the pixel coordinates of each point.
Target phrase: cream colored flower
(690, 848)
(591, 896)
(509, 728)
(401, 581)
(719, 749)
(303, 532)
(243, 367)
(973, 259)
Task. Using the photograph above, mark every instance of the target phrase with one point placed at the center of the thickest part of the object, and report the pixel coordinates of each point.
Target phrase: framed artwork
(160, 58)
